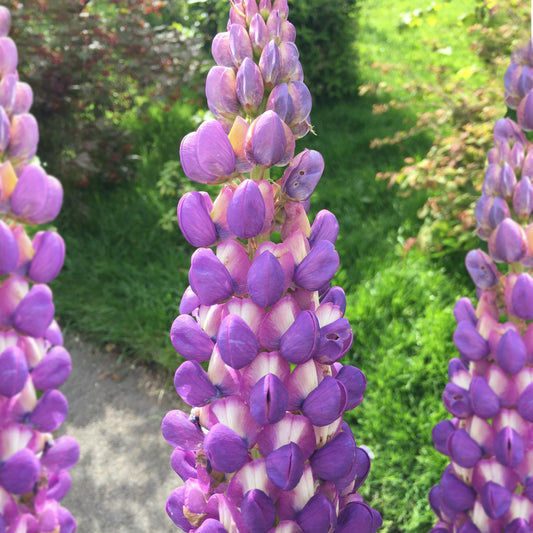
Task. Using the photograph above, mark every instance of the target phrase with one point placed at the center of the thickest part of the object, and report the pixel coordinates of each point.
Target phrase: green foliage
(325, 34)
(403, 325)
(461, 101)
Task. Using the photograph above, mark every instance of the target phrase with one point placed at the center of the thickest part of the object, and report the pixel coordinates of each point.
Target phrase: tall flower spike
(487, 486)
(33, 363)
(264, 449)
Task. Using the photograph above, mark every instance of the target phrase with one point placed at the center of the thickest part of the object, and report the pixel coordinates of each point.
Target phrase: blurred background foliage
(405, 96)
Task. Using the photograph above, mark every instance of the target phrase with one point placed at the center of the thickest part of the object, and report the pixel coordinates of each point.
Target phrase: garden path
(123, 477)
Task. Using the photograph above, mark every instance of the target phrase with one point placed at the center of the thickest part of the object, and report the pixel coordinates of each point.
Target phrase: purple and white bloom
(264, 448)
(487, 485)
(33, 363)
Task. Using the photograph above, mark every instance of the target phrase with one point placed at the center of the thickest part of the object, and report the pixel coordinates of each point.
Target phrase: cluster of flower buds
(33, 362)
(488, 486)
(518, 82)
(264, 448)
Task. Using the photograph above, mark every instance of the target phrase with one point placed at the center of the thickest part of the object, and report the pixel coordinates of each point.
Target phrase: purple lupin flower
(33, 363)
(265, 448)
(488, 485)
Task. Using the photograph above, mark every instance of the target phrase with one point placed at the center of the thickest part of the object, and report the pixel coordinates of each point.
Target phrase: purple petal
(210, 525)
(174, 509)
(258, 33)
(239, 44)
(523, 197)
(63, 454)
(13, 371)
(190, 340)
(522, 297)
(318, 267)
(456, 494)
(246, 210)
(463, 449)
(270, 64)
(511, 352)
(194, 220)
(249, 85)
(220, 91)
(355, 383)
(525, 403)
(318, 515)
(180, 431)
(209, 278)
(265, 280)
(24, 138)
(280, 102)
(214, 151)
(266, 140)
(325, 403)
(508, 242)
(258, 511)
(301, 101)
(325, 227)
(464, 311)
(299, 343)
(482, 270)
(193, 385)
(285, 466)
(53, 370)
(469, 342)
(508, 447)
(35, 311)
(440, 434)
(485, 402)
(355, 517)
(236, 342)
(268, 400)
(518, 525)
(9, 251)
(49, 257)
(334, 460)
(457, 401)
(20, 472)
(302, 175)
(49, 412)
(226, 450)
(335, 341)
(220, 49)
(495, 499)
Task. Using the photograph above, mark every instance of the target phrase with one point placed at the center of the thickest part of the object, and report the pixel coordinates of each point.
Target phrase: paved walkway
(123, 478)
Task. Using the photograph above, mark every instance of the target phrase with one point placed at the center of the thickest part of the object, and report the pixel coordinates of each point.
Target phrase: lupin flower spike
(33, 363)
(264, 448)
(488, 485)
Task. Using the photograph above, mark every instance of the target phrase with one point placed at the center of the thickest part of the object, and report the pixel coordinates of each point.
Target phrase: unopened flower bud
(221, 93)
(302, 175)
(5, 21)
(258, 33)
(194, 219)
(8, 56)
(49, 256)
(265, 280)
(23, 98)
(249, 85)
(13, 371)
(523, 197)
(209, 278)
(508, 242)
(240, 45)
(246, 210)
(270, 64)
(522, 297)
(9, 250)
(52, 370)
(318, 267)
(482, 270)
(35, 311)
(24, 138)
(524, 112)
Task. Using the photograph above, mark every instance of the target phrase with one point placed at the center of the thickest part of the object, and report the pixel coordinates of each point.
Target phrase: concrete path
(123, 478)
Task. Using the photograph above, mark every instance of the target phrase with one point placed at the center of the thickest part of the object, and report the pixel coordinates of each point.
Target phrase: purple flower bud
(289, 60)
(210, 525)
(23, 98)
(189, 301)
(269, 141)
(270, 64)
(288, 31)
(334, 460)
(469, 342)
(20, 472)
(318, 267)
(508, 242)
(274, 25)
(523, 197)
(52, 370)
(194, 220)
(335, 340)
(180, 431)
(49, 412)
(265, 280)
(524, 112)
(207, 155)
(24, 138)
(183, 462)
(325, 227)
(440, 434)
(463, 449)
(356, 517)
(193, 385)
(300, 342)
(522, 297)
(9, 251)
(495, 499)
(221, 92)
(525, 403)
(249, 85)
(465, 311)
(336, 296)
(301, 102)
(5, 129)
(456, 494)
(63, 454)
(508, 447)
(268, 400)
(5, 21)
(355, 383)
(507, 181)
(240, 45)
(258, 33)
(35, 311)
(13, 371)
(518, 525)
(37, 197)
(49, 256)
(258, 511)
(209, 278)
(457, 401)
(226, 450)
(220, 50)
(468, 527)
(246, 210)
(236, 342)
(511, 352)
(190, 340)
(485, 402)
(175, 506)
(302, 175)
(326, 403)
(279, 101)
(318, 515)
(482, 270)
(8, 56)
(282, 7)
(285, 466)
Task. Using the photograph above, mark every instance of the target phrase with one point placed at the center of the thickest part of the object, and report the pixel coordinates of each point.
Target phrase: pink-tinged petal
(249, 85)
(491, 470)
(50, 411)
(180, 431)
(502, 385)
(8, 56)
(9, 250)
(258, 511)
(240, 45)
(190, 340)
(290, 145)
(235, 414)
(265, 363)
(194, 499)
(193, 385)
(49, 256)
(35, 312)
(220, 49)
(221, 93)
(194, 220)
(236, 342)
(226, 512)
(267, 192)
(463, 450)
(286, 526)
(189, 301)
(63, 454)
(210, 316)
(24, 138)
(174, 508)
(326, 403)
(13, 371)
(53, 370)
(302, 381)
(5, 23)
(209, 278)
(298, 246)
(318, 267)
(482, 432)
(258, 33)
(246, 210)
(300, 342)
(249, 311)
(218, 213)
(270, 64)
(252, 476)
(294, 501)
(268, 400)
(226, 450)
(226, 379)
(235, 258)
(23, 98)
(276, 322)
(237, 138)
(20, 472)
(334, 460)
(58, 485)
(5, 125)
(295, 220)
